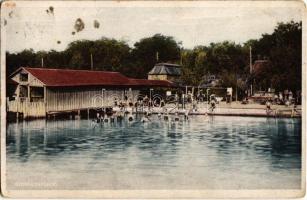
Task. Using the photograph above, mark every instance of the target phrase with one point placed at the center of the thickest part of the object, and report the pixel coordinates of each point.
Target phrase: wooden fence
(28, 109)
(61, 100)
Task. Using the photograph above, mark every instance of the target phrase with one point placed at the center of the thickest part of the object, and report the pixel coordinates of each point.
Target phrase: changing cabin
(38, 92)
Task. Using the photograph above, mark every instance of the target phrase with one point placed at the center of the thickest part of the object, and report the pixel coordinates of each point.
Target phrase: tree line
(228, 60)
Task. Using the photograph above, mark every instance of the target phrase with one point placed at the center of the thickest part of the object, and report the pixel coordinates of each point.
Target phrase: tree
(283, 48)
(22, 59)
(108, 54)
(228, 60)
(145, 52)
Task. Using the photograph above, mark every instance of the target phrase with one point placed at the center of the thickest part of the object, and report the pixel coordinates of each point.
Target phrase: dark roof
(67, 77)
(165, 69)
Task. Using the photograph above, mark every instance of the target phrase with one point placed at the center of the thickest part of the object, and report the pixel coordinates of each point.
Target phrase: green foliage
(227, 60)
(108, 54)
(218, 58)
(230, 61)
(283, 48)
(145, 52)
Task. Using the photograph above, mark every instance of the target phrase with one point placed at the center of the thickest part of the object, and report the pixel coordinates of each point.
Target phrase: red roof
(67, 77)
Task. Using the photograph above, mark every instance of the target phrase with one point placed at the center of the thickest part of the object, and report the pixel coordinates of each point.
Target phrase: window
(37, 94)
(23, 91)
(23, 77)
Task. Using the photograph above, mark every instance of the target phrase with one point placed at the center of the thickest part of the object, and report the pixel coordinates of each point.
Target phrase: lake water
(202, 153)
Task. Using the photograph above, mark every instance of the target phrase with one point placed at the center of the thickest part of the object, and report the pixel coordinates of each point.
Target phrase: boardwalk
(233, 109)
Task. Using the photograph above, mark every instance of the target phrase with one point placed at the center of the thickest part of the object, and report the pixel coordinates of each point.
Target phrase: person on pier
(294, 110)
(162, 103)
(115, 102)
(212, 105)
(268, 107)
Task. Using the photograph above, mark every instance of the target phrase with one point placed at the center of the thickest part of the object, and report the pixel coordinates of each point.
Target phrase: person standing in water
(186, 115)
(145, 118)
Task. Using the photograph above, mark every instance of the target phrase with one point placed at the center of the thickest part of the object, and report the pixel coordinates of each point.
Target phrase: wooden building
(165, 71)
(38, 92)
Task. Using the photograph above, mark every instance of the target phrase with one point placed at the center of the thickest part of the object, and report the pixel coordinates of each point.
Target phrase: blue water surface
(203, 153)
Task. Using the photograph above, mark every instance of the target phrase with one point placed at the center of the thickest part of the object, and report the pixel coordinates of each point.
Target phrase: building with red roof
(56, 90)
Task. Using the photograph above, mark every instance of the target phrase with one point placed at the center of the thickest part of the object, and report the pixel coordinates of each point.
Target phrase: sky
(29, 25)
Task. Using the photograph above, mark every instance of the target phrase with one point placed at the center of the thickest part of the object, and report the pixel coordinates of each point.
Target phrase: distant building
(165, 71)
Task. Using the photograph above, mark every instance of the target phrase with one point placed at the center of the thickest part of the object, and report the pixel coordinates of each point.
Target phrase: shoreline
(235, 109)
(222, 109)
(233, 114)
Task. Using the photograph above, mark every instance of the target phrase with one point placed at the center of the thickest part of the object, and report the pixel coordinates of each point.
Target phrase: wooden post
(45, 100)
(92, 64)
(29, 93)
(27, 106)
(88, 113)
(17, 103)
(79, 116)
(251, 69)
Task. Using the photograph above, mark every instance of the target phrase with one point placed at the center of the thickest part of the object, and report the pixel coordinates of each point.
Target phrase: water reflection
(218, 146)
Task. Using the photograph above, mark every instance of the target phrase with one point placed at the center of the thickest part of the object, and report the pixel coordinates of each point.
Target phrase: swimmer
(119, 116)
(130, 118)
(206, 117)
(98, 118)
(94, 123)
(145, 119)
(112, 119)
(176, 116)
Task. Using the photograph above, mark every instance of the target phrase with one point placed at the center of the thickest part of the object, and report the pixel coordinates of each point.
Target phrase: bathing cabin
(41, 92)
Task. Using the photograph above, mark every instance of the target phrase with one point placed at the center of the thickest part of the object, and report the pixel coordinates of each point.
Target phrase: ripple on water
(209, 152)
